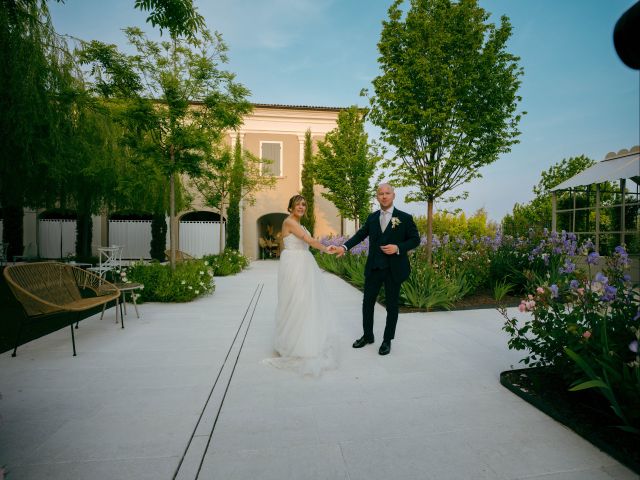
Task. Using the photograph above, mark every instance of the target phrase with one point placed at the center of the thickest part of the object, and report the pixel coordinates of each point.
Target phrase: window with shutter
(272, 152)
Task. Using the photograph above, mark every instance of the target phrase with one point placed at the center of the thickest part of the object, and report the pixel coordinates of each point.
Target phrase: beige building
(277, 133)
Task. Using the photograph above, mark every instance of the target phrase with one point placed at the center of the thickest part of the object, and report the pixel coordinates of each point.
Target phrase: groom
(392, 234)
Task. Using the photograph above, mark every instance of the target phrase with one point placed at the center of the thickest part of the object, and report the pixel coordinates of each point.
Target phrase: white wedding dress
(305, 323)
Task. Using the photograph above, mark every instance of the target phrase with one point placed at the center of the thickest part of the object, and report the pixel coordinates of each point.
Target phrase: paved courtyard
(181, 393)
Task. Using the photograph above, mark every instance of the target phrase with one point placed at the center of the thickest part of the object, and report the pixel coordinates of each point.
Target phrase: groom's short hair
(388, 185)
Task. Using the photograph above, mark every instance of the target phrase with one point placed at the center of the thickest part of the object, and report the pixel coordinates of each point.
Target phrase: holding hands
(335, 250)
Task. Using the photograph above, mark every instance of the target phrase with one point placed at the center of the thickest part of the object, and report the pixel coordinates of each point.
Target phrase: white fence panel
(200, 238)
(56, 238)
(134, 235)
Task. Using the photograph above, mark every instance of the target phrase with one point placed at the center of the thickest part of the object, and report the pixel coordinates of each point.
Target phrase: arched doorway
(270, 235)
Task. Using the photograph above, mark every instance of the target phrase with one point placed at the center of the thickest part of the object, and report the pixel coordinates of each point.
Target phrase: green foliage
(188, 281)
(235, 196)
(345, 165)
(308, 174)
(39, 88)
(159, 110)
(180, 17)
(447, 95)
(427, 288)
(229, 262)
(458, 225)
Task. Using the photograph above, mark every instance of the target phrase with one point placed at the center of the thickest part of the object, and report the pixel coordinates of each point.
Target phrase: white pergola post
(597, 217)
(554, 207)
(623, 226)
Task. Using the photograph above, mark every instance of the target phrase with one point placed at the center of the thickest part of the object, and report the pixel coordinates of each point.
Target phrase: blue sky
(580, 98)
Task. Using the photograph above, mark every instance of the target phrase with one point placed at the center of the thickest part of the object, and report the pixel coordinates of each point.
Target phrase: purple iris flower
(554, 290)
(633, 346)
(601, 278)
(593, 258)
(574, 284)
(568, 267)
(609, 294)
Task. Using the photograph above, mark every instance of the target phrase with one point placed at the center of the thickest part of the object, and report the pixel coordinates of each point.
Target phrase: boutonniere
(395, 221)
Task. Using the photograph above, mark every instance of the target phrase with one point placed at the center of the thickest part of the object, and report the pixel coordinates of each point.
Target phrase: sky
(579, 97)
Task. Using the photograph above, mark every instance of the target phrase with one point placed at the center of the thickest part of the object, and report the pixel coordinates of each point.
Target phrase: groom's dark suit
(382, 269)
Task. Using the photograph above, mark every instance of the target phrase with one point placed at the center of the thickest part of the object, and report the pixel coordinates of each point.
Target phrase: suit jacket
(405, 235)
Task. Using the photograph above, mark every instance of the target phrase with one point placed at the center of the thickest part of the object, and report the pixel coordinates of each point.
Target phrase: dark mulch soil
(585, 412)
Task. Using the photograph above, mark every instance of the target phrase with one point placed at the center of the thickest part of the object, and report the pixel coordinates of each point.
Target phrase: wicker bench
(50, 288)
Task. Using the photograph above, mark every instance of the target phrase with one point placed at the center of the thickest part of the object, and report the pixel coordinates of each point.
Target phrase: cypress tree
(309, 220)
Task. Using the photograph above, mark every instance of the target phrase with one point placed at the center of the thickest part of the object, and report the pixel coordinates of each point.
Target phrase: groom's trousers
(372, 285)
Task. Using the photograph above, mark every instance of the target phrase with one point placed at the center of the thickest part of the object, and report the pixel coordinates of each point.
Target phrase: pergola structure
(596, 181)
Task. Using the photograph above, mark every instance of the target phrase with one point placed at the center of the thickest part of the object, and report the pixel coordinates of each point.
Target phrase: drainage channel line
(254, 297)
(246, 332)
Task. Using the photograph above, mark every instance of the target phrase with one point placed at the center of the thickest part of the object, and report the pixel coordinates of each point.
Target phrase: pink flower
(587, 334)
(530, 297)
(522, 306)
(540, 290)
(580, 291)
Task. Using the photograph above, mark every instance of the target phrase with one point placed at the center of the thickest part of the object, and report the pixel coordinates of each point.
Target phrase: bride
(304, 336)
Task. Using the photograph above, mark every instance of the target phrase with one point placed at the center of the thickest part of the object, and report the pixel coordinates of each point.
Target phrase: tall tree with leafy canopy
(37, 84)
(308, 182)
(345, 166)
(446, 99)
(182, 98)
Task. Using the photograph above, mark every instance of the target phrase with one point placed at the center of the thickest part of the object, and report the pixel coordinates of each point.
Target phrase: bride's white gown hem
(305, 330)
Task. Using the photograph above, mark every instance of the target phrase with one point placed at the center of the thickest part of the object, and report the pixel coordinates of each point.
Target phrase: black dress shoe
(361, 342)
(385, 347)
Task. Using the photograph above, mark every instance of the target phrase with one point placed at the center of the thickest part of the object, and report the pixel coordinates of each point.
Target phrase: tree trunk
(84, 236)
(429, 229)
(12, 230)
(220, 249)
(172, 219)
(158, 236)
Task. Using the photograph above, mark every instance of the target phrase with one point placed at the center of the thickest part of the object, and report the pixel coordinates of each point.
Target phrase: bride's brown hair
(293, 201)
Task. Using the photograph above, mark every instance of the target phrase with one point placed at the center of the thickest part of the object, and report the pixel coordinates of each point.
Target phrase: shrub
(229, 262)
(585, 330)
(426, 288)
(188, 281)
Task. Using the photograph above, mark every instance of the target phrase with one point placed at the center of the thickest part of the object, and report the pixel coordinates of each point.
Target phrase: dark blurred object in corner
(626, 37)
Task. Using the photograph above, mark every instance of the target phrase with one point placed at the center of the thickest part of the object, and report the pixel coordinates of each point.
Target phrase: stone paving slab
(182, 393)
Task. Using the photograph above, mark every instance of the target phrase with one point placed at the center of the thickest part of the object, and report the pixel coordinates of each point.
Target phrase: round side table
(130, 288)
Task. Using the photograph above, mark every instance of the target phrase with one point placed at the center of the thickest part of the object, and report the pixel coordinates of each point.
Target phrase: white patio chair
(110, 258)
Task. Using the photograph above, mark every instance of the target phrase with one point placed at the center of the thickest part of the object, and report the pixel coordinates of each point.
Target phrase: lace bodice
(291, 242)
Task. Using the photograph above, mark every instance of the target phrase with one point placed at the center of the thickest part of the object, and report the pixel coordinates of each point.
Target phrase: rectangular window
(272, 152)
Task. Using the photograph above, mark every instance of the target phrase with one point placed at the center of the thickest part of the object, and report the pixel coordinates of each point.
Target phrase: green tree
(308, 183)
(221, 174)
(536, 214)
(235, 196)
(36, 81)
(181, 98)
(447, 95)
(180, 17)
(345, 165)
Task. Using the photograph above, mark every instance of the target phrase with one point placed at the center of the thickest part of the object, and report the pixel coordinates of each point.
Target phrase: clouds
(263, 25)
